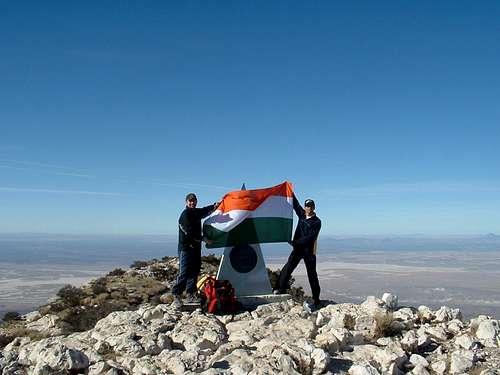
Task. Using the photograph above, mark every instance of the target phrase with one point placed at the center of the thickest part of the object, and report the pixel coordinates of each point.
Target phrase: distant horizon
(375, 235)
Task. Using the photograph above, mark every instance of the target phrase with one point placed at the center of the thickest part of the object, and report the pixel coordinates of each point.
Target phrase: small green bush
(164, 273)
(211, 259)
(99, 286)
(139, 264)
(11, 315)
(71, 295)
(82, 319)
(116, 272)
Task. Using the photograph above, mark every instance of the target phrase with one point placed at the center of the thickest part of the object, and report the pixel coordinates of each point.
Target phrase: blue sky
(386, 113)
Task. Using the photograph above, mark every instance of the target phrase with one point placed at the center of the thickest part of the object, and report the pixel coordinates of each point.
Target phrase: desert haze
(457, 271)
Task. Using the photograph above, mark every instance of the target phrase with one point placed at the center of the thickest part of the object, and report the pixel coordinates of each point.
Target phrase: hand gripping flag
(252, 216)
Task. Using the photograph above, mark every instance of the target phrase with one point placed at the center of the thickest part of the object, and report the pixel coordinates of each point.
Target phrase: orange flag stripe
(249, 200)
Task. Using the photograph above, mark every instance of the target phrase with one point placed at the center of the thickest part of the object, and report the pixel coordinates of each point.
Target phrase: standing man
(189, 248)
(304, 247)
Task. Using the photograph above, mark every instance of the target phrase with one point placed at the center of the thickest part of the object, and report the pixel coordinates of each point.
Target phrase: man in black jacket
(189, 248)
(304, 247)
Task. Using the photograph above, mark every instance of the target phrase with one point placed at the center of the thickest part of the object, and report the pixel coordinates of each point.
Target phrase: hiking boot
(192, 299)
(307, 307)
(177, 302)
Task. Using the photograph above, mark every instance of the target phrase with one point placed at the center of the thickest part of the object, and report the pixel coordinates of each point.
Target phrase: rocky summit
(131, 331)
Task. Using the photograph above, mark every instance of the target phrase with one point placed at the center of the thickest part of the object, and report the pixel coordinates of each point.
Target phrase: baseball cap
(309, 203)
(191, 196)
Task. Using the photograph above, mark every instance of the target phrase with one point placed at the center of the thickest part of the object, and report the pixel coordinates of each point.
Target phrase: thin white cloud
(56, 191)
(48, 172)
(61, 170)
(185, 185)
(42, 165)
(413, 188)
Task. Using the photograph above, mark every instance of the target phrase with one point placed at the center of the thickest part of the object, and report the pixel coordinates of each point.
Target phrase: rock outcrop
(375, 337)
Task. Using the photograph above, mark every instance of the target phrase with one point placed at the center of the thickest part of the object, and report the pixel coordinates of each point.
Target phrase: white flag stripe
(272, 207)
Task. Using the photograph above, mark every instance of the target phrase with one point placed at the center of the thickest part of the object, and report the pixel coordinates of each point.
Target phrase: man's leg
(194, 271)
(182, 276)
(312, 275)
(286, 272)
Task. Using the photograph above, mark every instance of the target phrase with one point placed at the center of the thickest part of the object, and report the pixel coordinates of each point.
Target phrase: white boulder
(390, 300)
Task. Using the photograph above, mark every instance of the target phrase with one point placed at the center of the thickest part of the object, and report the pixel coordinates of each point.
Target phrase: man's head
(191, 200)
(309, 207)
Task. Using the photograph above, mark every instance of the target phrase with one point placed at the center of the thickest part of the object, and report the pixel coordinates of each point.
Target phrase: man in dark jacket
(189, 248)
(304, 247)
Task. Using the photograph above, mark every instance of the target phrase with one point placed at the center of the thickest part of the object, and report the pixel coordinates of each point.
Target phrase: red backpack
(220, 296)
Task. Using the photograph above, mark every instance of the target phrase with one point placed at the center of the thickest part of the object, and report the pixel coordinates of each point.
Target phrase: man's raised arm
(299, 210)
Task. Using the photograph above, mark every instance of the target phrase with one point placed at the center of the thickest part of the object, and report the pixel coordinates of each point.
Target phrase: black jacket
(190, 234)
(307, 230)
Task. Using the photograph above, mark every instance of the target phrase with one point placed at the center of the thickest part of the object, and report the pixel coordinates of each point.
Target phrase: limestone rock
(461, 361)
(338, 316)
(455, 326)
(391, 301)
(363, 370)
(487, 332)
(425, 313)
(406, 317)
(445, 314)
(464, 341)
(410, 342)
(439, 366)
(52, 353)
(198, 332)
(419, 370)
(362, 354)
(416, 359)
(374, 306)
(320, 360)
(438, 333)
(328, 342)
(392, 354)
(367, 324)
(32, 316)
(48, 324)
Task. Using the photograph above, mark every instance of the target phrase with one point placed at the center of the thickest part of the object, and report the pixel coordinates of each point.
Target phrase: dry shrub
(139, 264)
(71, 295)
(82, 319)
(211, 259)
(116, 272)
(11, 315)
(297, 293)
(163, 272)
(99, 286)
(349, 321)
(384, 327)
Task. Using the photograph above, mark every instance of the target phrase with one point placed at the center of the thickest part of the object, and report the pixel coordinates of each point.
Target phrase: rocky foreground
(134, 333)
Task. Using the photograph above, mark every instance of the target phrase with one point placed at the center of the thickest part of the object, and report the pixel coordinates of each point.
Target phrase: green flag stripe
(254, 230)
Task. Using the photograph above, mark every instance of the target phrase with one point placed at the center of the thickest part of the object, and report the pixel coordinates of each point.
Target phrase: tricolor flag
(252, 216)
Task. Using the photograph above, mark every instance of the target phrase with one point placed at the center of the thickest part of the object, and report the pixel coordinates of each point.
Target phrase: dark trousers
(291, 264)
(189, 270)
